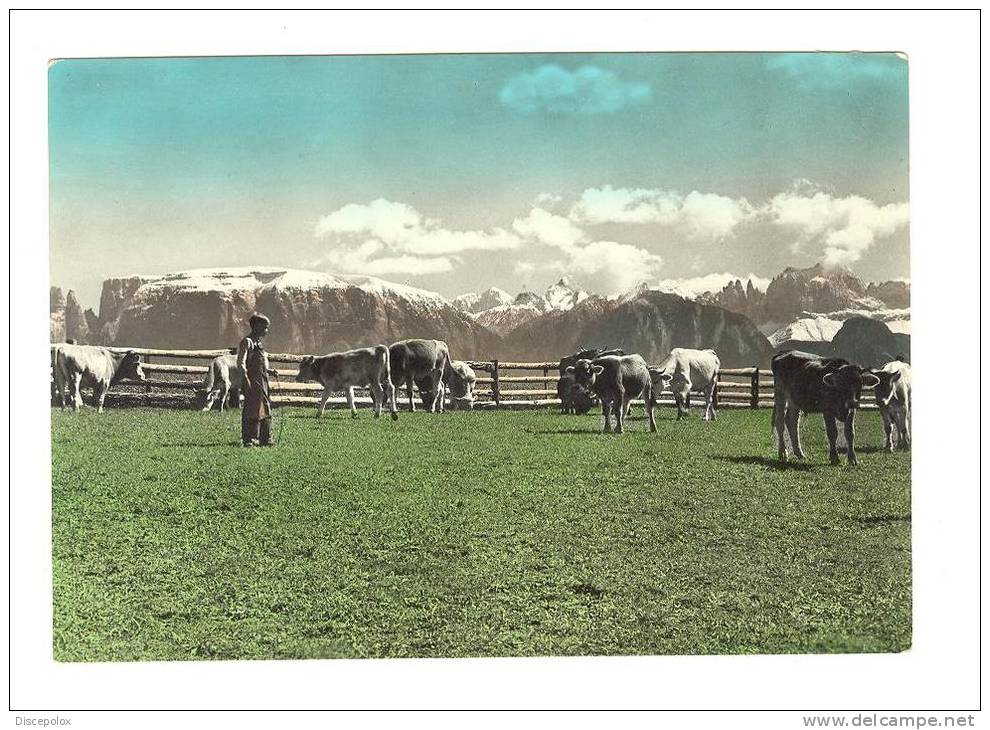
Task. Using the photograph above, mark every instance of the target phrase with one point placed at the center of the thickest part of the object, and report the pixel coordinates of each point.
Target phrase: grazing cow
(458, 381)
(422, 362)
(616, 380)
(686, 370)
(808, 383)
(222, 377)
(95, 366)
(457, 384)
(574, 398)
(368, 366)
(893, 395)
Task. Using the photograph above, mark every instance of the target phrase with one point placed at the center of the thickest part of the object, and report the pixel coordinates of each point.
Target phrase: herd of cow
(803, 383)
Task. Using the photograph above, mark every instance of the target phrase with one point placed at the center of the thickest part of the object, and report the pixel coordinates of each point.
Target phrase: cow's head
(307, 369)
(585, 372)
(659, 378)
(884, 390)
(847, 384)
(129, 367)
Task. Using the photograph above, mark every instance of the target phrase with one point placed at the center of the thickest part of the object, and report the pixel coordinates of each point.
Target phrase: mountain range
(315, 312)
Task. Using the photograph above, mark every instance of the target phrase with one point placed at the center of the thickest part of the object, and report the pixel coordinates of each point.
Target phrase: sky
(458, 172)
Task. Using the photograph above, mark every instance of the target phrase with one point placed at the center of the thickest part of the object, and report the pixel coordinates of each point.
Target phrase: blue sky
(505, 170)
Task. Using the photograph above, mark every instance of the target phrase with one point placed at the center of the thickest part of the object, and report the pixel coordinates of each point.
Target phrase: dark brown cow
(806, 383)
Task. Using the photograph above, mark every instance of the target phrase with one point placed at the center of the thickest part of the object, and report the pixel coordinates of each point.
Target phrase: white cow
(95, 366)
(222, 377)
(367, 366)
(458, 381)
(893, 395)
(686, 370)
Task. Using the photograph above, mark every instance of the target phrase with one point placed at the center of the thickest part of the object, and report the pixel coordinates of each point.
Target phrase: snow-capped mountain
(475, 302)
(311, 312)
(823, 327)
(562, 296)
(505, 318)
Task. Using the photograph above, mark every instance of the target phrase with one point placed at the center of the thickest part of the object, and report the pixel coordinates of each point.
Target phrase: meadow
(470, 534)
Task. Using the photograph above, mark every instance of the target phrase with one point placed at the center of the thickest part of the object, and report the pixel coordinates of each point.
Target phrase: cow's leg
(888, 430)
(832, 431)
(850, 433)
(438, 392)
(323, 401)
(651, 407)
(207, 401)
(377, 396)
(350, 401)
(779, 408)
(60, 387)
(76, 395)
(683, 396)
(710, 414)
(409, 385)
(607, 414)
(390, 394)
(793, 420)
(619, 406)
(99, 395)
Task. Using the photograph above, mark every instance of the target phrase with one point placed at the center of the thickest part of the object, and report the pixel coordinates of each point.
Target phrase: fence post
(495, 394)
(147, 360)
(754, 388)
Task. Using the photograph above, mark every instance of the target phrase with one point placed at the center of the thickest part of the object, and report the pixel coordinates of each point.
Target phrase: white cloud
(691, 287)
(554, 90)
(698, 215)
(813, 71)
(615, 266)
(549, 229)
(412, 265)
(403, 240)
(845, 227)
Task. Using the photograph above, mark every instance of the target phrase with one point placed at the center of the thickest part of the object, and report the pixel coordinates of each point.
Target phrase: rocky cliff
(68, 321)
(311, 312)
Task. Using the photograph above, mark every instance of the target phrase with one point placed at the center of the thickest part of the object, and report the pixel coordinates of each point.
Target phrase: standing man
(256, 414)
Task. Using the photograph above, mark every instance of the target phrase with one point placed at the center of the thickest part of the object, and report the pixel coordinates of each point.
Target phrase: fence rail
(750, 387)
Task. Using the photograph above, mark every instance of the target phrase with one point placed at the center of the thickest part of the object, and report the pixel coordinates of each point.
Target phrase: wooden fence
(172, 375)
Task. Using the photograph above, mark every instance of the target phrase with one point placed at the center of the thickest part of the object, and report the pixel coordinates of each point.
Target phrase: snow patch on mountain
(562, 296)
(822, 327)
(256, 278)
(474, 302)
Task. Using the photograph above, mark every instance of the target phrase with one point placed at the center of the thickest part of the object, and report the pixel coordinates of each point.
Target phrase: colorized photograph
(479, 355)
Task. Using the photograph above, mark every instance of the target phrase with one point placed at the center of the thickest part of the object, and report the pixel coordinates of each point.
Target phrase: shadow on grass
(562, 431)
(201, 444)
(767, 462)
(876, 450)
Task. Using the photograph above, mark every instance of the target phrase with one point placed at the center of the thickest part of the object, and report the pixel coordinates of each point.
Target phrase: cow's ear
(569, 370)
(895, 376)
(870, 380)
(597, 369)
(829, 380)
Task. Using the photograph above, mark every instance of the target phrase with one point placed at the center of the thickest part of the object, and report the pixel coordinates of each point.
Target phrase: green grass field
(470, 534)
